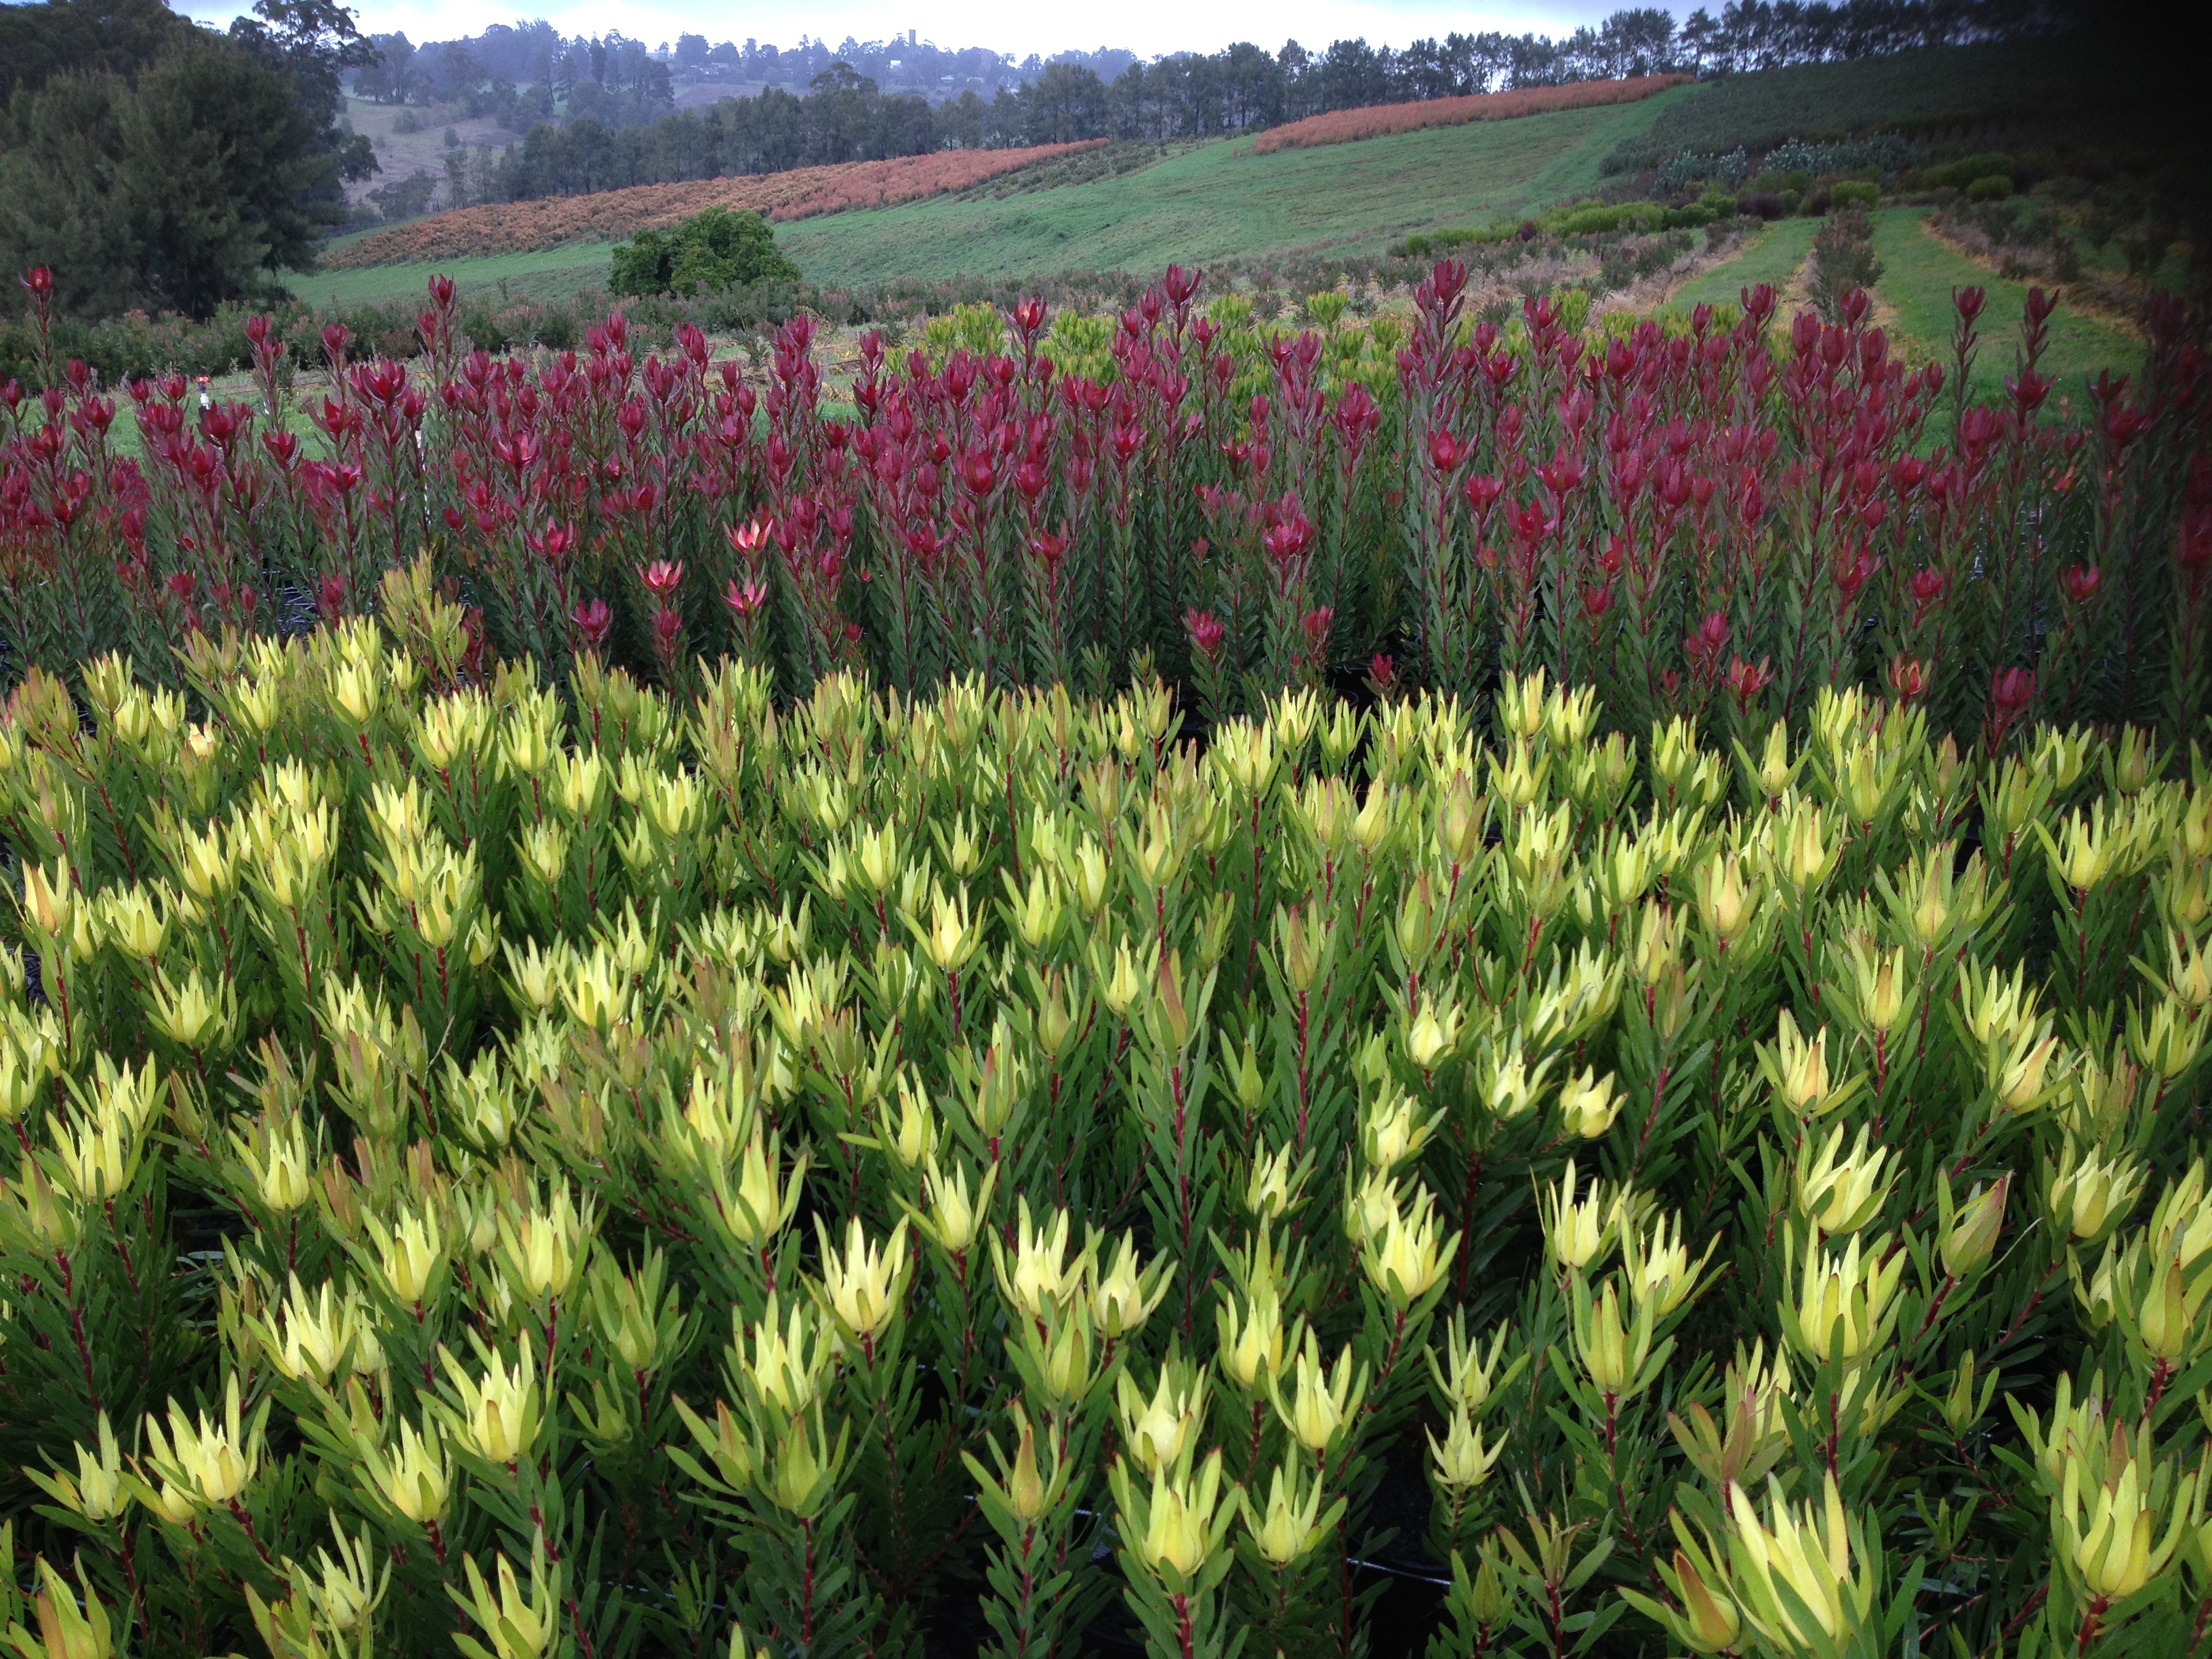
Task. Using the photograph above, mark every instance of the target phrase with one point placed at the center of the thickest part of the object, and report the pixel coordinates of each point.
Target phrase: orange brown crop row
(1342, 126)
(610, 214)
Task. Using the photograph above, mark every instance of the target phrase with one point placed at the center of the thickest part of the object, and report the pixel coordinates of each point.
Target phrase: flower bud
(2088, 1195)
(1288, 1527)
(1321, 1401)
(1463, 1462)
(1971, 1236)
(1589, 1104)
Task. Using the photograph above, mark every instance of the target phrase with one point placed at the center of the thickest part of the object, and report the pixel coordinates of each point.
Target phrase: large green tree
(175, 170)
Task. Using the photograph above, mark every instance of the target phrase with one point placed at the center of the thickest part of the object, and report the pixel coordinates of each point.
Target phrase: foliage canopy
(719, 248)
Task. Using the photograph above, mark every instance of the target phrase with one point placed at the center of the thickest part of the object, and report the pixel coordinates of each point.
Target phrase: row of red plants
(1716, 518)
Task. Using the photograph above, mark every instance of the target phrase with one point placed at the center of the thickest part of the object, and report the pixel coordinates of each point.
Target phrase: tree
(193, 177)
(38, 42)
(716, 250)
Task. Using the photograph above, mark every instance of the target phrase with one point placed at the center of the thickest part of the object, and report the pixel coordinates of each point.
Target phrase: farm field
(1772, 255)
(1918, 277)
(1350, 126)
(1212, 202)
(400, 154)
(608, 215)
(1222, 200)
(1980, 83)
(566, 958)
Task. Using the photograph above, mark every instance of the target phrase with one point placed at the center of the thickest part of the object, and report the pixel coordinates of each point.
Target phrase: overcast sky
(1146, 26)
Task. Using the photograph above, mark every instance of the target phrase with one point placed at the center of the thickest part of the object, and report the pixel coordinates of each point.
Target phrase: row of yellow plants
(532, 1175)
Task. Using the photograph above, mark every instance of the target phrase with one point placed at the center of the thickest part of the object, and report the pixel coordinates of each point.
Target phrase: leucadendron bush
(625, 1171)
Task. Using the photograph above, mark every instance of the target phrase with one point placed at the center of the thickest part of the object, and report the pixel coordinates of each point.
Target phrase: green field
(1214, 201)
(552, 273)
(1917, 275)
(1772, 255)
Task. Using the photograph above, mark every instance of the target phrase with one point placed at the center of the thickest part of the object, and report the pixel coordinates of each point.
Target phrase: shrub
(648, 1172)
(1993, 188)
(1844, 262)
(1964, 171)
(1853, 193)
(717, 250)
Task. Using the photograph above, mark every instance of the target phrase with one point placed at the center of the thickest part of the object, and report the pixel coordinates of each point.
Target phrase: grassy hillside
(1224, 200)
(1966, 84)
(1212, 202)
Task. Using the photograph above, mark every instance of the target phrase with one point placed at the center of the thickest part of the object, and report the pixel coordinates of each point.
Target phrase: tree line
(845, 115)
(153, 164)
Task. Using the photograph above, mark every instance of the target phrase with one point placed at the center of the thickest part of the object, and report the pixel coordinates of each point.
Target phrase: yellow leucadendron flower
(1969, 1235)
(1589, 1104)
(1810, 1551)
(517, 1625)
(1469, 1377)
(2106, 1532)
(1728, 897)
(1432, 1033)
(1158, 1428)
(952, 935)
(1393, 1129)
(1321, 1399)
(865, 1284)
(1843, 1302)
(545, 1248)
(409, 1256)
(1041, 1277)
(1508, 1085)
(414, 1475)
(2087, 848)
(2167, 1039)
(957, 1214)
(1841, 1197)
(1463, 1461)
(2087, 1196)
(763, 1199)
(1797, 1069)
(1122, 1296)
(1288, 1527)
(1274, 1182)
(66, 1632)
(1578, 1235)
(98, 1492)
(1175, 1531)
(786, 1360)
(1252, 1338)
(94, 1161)
(1614, 1352)
(497, 1416)
(207, 1463)
(310, 1339)
(1405, 1258)
(1660, 1273)
(2168, 1311)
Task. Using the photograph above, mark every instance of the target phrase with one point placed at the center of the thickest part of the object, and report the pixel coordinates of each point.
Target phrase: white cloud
(1148, 26)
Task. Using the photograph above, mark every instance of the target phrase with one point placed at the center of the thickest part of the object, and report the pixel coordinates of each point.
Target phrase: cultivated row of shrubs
(624, 1169)
(1714, 514)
